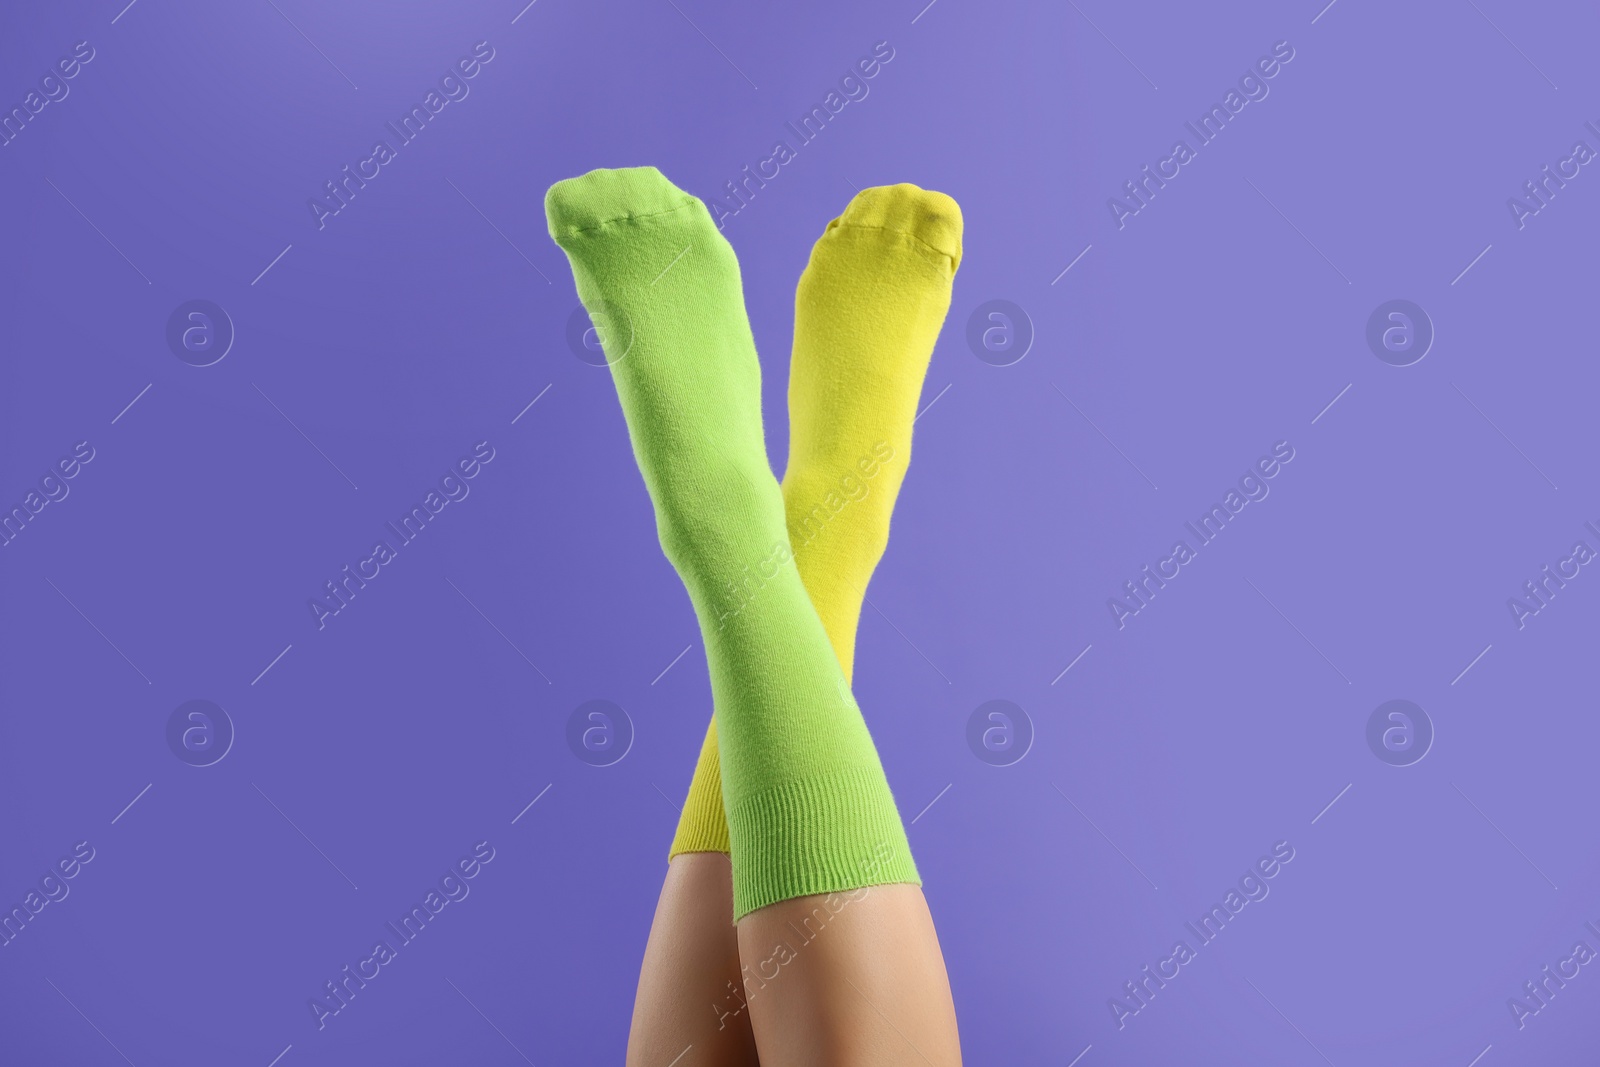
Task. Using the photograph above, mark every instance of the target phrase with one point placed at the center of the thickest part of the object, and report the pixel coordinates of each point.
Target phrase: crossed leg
(847, 964)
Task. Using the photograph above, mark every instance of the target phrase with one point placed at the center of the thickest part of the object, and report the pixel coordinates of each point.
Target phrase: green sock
(809, 809)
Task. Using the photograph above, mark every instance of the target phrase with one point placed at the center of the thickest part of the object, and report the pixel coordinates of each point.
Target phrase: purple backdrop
(218, 396)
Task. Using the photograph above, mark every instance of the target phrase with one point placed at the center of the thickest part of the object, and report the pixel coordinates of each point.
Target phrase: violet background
(1211, 326)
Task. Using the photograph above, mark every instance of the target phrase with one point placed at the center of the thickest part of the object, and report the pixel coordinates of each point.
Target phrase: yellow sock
(867, 313)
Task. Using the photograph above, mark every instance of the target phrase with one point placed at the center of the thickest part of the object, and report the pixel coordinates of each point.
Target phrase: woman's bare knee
(689, 992)
(848, 978)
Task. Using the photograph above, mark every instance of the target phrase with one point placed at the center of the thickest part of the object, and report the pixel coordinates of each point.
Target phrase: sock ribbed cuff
(703, 827)
(819, 835)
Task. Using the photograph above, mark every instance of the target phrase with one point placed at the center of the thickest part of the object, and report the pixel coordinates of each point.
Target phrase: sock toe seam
(915, 240)
(603, 223)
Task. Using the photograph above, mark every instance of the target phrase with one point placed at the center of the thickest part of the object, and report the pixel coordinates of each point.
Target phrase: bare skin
(850, 980)
(693, 953)
(846, 979)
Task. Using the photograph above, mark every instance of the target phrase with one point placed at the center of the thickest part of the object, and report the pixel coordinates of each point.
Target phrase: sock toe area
(932, 218)
(597, 198)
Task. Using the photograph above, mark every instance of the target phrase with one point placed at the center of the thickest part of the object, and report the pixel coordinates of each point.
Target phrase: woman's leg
(689, 985)
(849, 979)
(868, 310)
(856, 977)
